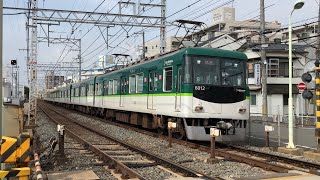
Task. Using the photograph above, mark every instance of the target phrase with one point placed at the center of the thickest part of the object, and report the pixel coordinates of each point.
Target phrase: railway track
(119, 155)
(311, 166)
(269, 166)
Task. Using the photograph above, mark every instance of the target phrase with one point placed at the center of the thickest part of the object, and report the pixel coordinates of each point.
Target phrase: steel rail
(301, 163)
(145, 152)
(113, 163)
(251, 161)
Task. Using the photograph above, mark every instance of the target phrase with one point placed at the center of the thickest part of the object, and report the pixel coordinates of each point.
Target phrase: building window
(132, 84)
(285, 99)
(167, 81)
(250, 70)
(284, 69)
(139, 78)
(253, 99)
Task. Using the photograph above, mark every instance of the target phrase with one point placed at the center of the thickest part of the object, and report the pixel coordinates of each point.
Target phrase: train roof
(187, 51)
(214, 52)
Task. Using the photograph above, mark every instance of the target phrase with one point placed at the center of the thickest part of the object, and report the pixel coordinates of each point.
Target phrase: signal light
(13, 62)
(307, 94)
(306, 77)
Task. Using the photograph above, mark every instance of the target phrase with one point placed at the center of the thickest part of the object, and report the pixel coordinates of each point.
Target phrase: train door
(123, 81)
(178, 79)
(152, 88)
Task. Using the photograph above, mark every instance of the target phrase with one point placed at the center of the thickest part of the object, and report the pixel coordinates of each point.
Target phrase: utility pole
(317, 86)
(263, 64)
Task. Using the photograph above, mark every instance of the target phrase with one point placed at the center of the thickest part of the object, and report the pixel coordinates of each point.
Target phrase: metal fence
(298, 120)
(280, 124)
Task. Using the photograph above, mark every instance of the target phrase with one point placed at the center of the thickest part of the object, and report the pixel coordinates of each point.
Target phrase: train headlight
(242, 110)
(198, 108)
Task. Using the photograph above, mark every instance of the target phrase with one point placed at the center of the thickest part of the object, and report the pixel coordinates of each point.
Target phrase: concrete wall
(13, 118)
(275, 104)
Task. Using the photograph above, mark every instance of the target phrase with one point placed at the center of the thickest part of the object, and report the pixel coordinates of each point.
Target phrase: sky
(14, 37)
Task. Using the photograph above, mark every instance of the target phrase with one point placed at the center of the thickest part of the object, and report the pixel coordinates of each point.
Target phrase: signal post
(307, 94)
(317, 89)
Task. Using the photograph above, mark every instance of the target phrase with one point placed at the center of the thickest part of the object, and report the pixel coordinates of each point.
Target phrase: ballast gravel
(270, 151)
(75, 161)
(189, 157)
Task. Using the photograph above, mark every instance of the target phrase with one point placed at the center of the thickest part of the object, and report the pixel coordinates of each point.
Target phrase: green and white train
(198, 88)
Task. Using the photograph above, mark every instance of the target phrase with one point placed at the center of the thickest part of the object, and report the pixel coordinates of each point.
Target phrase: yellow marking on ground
(292, 177)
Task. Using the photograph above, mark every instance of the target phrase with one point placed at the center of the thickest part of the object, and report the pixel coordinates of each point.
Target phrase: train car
(198, 88)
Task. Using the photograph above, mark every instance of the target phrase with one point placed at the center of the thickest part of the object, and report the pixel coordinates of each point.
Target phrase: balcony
(279, 76)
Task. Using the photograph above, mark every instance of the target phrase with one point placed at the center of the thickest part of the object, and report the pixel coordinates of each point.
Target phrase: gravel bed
(225, 169)
(154, 173)
(75, 161)
(195, 159)
(270, 151)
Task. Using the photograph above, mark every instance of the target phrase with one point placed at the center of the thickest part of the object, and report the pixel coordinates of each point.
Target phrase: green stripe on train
(134, 95)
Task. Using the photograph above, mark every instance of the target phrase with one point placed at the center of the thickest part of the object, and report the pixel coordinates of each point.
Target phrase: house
(277, 78)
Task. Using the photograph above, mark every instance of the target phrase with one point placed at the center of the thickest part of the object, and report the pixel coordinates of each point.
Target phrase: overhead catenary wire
(150, 39)
(138, 32)
(71, 33)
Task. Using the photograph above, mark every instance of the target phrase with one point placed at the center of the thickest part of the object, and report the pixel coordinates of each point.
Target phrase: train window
(232, 72)
(105, 86)
(123, 85)
(110, 90)
(206, 70)
(97, 89)
(88, 90)
(167, 80)
(187, 74)
(151, 81)
(91, 89)
(132, 84)
(139, 78)
(115, 86)
(155, 87)
(83, 91)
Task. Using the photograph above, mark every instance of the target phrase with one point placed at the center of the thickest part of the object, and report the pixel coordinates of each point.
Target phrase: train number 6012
(199, 88)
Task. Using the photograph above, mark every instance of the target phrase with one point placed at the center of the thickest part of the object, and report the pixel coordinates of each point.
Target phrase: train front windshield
(208, 70)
